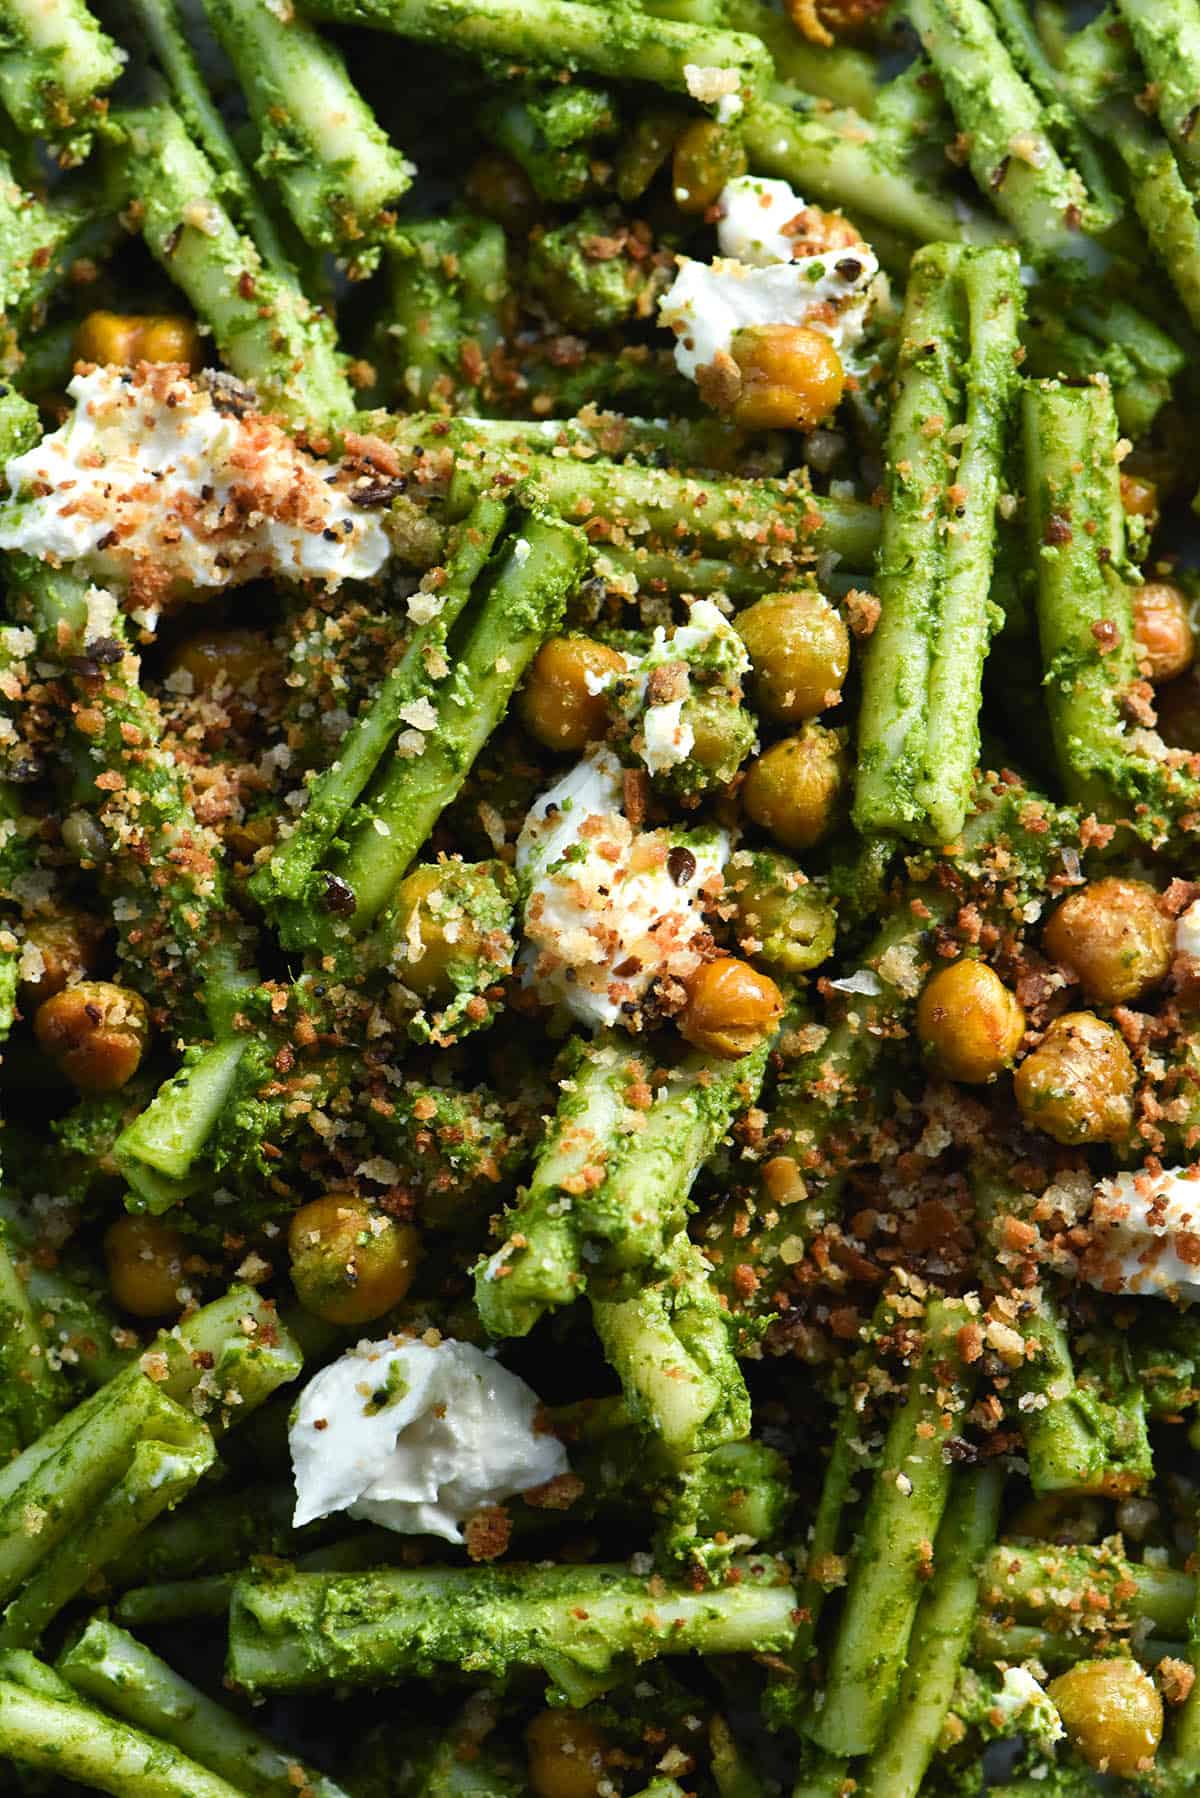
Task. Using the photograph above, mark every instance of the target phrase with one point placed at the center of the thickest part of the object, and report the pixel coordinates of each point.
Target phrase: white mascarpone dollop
(1187, 932)
(417, 1438)
(781, 263)
(1023, 1703)
(610, 908)
(1146, 1235)
(156, 485)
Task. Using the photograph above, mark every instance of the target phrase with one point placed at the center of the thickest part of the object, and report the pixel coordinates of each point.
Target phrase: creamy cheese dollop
(156, 482)
(417, 1438)
(610, 908)
(1024, 1704)
(1187, 931)
(760, 279)
(1146, 1235)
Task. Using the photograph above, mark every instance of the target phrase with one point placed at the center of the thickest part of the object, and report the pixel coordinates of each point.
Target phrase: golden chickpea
(95, 1032)
(795, 790)
(823, 20)
(1178, 708)
(1113, 936)
(722, 734)
(69, 943)
(730, 1008)
(1139, 498)
(446, 912)
(218, 659)
(799, 649)
(499, 187)
(969, 1022)
(706, 157)
(350, 1264)
(1162, 628)
(566, 1755)
(1112, 1714)
(791, 378)
(144, 1257)
(124, 338)
(781, 918)
(556, 704)
(1077, 1085)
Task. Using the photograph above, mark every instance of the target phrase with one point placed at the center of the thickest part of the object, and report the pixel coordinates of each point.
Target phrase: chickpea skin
(126, 338)
(791, 378)
(96, 1033)
(969, 1022)
(1162, 629)
(566, 1755)
(350, 1264)
(794, 791)
(1077, 1085)
(730, 1008)
(556, 705)
(706, 157)
(1112, 1714)
(799, 650)
(144, 1257)
(1113, 936)
(69, 943)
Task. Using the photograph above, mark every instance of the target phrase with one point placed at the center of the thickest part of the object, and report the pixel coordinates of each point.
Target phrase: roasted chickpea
(1178, 707)
(566, 1755)
(144, 1257)
(499, 187)
(706, 157)
(781, 918)
(219, 659)
(556, 704)
(125, 338)
(821, 21)
(447, 913)
(722, 736)
(1139, 498)
(350, 1264)
(95, 1032)
(795, 790)
(1162, 628)
(1113, 936)
(1077, 1085)
(730, 1007)
(1111, 1712)
(969, 1023)
(69, 944)
(791, 378)
(799, 649)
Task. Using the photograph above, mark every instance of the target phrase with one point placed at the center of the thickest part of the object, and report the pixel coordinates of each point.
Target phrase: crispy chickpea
(791, 378)
(730, 1007)
(95, 1032)
(1113, 936)
(125, 338)
(1077, 1085)
(350, 1264)
(1178, 707)
(219, 659)
(795, 790)
(499, 187)
(722, 734)
(69, 944)
(1162, 628)
(1111, 1712)
(706, 157)
(556, 704)
(566, 1755)
(799, 649)
(144, 1257)
(1139, 498)
(445, 911)
(821, 21)
(969, 1023)
(781, 918)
